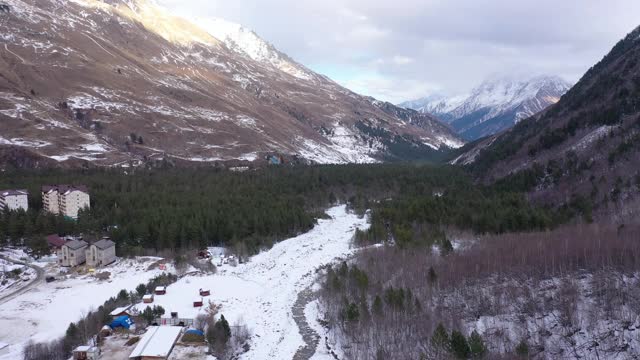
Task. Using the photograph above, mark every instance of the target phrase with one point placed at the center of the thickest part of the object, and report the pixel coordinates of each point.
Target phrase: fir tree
(432, 276)
(440, 340)
(523, 349)
(476, 346)
(459, 345)
(141, 290)
(378, 306)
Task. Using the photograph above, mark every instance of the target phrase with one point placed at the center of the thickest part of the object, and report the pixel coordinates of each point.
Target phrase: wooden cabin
(197, 302)
(204, 292)
(86, 353)
(147, 299)
(161, 290)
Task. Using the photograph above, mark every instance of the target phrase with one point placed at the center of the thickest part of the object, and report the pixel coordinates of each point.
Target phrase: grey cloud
(402, 48)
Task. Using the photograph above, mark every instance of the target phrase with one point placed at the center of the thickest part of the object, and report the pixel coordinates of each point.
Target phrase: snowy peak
(247, 43)
(495, 105)
(127, 82)
(506, 93)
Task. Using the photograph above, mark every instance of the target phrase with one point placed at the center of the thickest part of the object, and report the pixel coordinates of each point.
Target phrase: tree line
(160, 209)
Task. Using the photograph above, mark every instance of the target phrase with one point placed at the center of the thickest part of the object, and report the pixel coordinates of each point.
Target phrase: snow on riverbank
(259, 293)
(44, 313)
(262, 292)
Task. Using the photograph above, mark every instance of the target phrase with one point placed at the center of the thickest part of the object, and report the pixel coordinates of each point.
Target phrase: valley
(174, 186)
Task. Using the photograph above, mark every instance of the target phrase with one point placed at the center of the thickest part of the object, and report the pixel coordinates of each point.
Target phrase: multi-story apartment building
(73, 253)
(65, 199)
(101, 253)
(14, 200)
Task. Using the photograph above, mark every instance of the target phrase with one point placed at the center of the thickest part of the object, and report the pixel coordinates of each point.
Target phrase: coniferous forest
(190, 208)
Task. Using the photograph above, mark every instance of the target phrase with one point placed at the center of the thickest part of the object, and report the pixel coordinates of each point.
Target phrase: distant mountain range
(121, 82)
(585, 150)
(493, 106)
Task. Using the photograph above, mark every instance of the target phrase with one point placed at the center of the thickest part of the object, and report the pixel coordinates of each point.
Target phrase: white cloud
(402, 60)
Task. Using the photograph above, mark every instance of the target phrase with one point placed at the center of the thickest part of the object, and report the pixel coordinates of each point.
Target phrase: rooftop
(120, 310)
(75, 244)
(65, 188)
(85, 349)
(157, 342)
(104, 244)
(14, 192)
(55, 240)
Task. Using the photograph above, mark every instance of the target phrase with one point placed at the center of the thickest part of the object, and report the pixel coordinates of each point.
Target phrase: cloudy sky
(397, 50)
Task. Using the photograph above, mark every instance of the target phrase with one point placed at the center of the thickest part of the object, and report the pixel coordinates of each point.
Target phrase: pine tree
(148, 315)
(223, 327)
(378, 306)
(459, 345)
(432, 276)
(476, 346)
(440, 340)
(523, 349)
(141, 290)
(446, 247)
(351, 313)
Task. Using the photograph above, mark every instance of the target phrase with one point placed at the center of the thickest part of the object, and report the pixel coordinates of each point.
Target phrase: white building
(157, 343)
(65, 199)
(73, 253)
(14, 200)
(101, 253)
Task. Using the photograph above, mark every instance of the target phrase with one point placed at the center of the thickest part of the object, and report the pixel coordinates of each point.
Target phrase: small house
(86, 353)
(197, 302)
(73, 253)
(204, 292)
(147, 299)
(161, 290)
(101, 253)
(121, 311)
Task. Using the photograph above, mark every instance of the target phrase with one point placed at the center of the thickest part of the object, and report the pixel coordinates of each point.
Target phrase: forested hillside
(190, 208)
(586, 146)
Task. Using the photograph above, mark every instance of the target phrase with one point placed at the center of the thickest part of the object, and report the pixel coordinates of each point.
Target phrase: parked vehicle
(50, 279)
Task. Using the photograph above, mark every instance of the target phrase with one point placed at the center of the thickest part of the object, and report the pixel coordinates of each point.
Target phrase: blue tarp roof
(122, 321)
(195, 331)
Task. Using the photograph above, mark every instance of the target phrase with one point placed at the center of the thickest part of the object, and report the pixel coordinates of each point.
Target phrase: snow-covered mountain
(247, 43)
(121, 81)
(494, 105)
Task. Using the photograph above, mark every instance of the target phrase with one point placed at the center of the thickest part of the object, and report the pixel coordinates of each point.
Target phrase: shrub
(132, 341)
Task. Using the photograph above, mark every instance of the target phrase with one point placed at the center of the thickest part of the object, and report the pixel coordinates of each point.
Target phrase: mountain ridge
(115, 83)
(495, 105)
(582, 152)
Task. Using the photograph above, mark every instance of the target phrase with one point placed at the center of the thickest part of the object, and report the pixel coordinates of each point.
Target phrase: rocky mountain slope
(495, 105)
(583, 151)
(115, 82)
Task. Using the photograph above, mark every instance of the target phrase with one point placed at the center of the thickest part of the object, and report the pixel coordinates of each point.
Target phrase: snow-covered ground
(44, 313)
(14, 276)
(261, 292)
